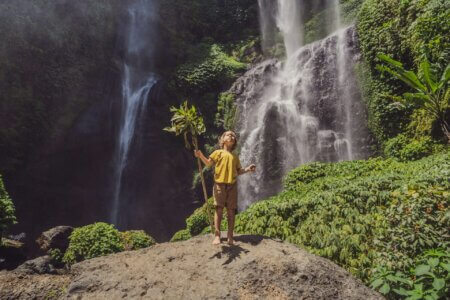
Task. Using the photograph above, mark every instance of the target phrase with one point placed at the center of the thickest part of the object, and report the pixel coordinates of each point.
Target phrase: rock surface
(254, 268)
(55, 238)
(39, 265)
(21, 286)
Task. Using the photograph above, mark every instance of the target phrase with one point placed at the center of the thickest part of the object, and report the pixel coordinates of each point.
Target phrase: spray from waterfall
(304, 112)
(137, 81)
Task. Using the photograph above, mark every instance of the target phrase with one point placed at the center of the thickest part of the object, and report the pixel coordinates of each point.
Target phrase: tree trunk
(205, 194)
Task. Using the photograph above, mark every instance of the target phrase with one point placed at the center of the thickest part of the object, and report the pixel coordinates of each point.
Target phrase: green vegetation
(185, 121)
(197, 223)
(226, 111)
(136, 239)
(7, 211)
(431, 276)
(359, 214)
(93, 240)
(56, 256)
(317, 18)
(404, 149)
(410, 31)
(209, 68)
(181, 235)
(100, 239)
(432, 95)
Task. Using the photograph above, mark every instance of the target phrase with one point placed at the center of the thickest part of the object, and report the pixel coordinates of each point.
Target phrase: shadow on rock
(232, 252)
(250, 239)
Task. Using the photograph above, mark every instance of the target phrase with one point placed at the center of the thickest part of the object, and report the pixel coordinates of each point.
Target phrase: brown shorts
(225, 194)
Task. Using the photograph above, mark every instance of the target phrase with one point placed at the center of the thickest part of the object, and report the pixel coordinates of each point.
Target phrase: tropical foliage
(185, 121)
(7, 211)
(428, 279)
(430, 94)
(409, 31)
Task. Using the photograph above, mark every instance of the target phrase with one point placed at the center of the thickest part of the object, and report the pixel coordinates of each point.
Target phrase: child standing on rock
(227, 169)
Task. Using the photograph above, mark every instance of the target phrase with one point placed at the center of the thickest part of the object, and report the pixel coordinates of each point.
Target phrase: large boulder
(254, 268)
(55, 238)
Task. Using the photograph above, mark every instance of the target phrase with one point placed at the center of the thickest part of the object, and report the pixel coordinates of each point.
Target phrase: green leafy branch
(187, 122)
(431, 94)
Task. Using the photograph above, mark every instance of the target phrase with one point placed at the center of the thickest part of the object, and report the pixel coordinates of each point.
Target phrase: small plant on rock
(91, 241)
(136, 239)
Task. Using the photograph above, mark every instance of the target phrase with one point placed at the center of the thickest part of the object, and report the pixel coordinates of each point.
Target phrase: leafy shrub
(209, 67)
(181, 235)
(393, 147)
(304, 175)
(197, 222)
(7, 211)
(361, 214)
(91, 241)
(417, 149)
(56, 255)
(428, 279)
(414, 221)
(406, 149)
(136, 239)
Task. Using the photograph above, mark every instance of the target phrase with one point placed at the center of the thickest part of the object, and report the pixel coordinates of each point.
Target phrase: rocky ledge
(254, 268)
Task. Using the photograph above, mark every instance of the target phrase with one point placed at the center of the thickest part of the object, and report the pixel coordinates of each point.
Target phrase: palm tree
(185, 121)
(430, 94)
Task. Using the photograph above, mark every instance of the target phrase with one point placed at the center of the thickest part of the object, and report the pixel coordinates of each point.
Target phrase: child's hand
(197, 153)
(251, 168)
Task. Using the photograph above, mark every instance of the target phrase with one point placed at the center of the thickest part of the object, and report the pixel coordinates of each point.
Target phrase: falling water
(344, 143)
(303, 112)
(138, 80)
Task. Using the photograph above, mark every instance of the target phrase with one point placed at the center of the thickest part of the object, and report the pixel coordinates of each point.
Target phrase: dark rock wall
(59, 168)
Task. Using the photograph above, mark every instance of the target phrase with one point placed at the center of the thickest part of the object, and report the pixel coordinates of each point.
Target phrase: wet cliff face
(308, 108)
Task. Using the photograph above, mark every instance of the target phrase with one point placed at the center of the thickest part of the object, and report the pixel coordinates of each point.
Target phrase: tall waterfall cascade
(303, 109)
(137, 81)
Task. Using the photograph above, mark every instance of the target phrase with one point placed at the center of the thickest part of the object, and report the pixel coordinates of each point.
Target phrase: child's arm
(250, 168)
(207, 161)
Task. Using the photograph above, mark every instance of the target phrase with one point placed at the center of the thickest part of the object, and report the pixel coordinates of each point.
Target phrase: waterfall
(304, 109)
(137, 81)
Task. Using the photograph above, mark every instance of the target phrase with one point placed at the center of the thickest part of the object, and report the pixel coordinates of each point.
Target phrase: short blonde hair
(221, 140)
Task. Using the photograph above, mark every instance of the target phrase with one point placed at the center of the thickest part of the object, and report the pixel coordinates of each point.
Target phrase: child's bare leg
(230, 216)
(217, 220)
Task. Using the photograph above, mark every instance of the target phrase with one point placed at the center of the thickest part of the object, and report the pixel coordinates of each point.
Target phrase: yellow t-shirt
(227, 166)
